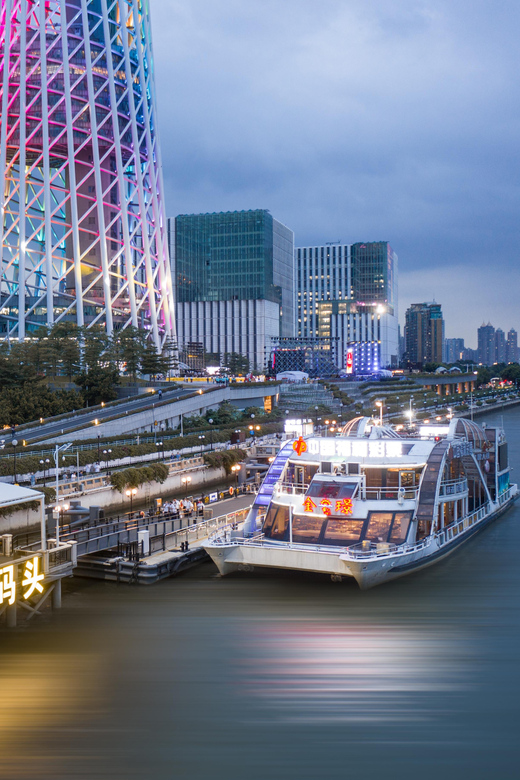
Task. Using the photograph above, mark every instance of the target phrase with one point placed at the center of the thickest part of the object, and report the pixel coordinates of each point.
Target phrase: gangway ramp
(121, 552)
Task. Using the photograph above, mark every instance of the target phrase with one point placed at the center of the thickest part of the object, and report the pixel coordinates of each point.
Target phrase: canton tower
(82, 222)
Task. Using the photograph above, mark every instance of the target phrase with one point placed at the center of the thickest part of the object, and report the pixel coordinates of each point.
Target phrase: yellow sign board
(31, 582)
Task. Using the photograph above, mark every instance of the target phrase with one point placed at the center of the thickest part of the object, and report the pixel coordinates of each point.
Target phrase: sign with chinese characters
(300, 446)
(31, 581)
(350, 448)
(340, 506)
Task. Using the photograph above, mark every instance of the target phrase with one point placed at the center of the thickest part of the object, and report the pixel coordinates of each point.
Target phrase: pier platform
(145, 554)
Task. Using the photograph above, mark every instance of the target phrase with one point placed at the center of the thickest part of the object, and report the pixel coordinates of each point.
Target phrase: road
(81, 419)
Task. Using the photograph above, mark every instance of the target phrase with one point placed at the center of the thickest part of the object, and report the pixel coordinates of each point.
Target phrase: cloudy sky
(356, 120)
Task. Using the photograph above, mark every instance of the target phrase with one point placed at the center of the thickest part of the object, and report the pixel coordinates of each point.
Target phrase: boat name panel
(344, 448)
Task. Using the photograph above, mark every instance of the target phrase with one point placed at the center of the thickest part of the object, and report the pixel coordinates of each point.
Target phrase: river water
(276, 675)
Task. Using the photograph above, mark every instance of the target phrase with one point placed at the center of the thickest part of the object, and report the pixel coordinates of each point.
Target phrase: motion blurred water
(276, 675)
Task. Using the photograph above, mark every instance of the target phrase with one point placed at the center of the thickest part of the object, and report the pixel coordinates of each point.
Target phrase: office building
(486, 344)
(500, 346)
(424, 334)
(347, 293)
(453, 349)
(512, 347)
(82, 223)
(234, 282)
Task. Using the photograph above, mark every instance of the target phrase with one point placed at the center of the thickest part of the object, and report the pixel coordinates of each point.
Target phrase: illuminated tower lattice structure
(82, 224)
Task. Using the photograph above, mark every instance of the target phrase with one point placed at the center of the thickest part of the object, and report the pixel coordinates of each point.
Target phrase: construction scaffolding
(315, 356)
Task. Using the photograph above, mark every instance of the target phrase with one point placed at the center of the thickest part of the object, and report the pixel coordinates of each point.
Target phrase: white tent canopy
(14, 494)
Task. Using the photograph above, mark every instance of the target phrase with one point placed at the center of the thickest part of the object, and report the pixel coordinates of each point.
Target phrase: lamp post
(202, 439)
(131, 492)
(186, 481)
(160, 444)
(316, 416)
(211, 433)
(14, 443)
(105, 453)
(235, 469)
(45, 467)
(59, 508)
(379, 404)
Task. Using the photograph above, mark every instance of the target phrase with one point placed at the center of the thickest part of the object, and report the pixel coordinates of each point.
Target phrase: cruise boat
(372, 503)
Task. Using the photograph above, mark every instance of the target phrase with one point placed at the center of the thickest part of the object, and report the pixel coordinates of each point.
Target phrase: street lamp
(186, 481)
(235, 469)
(211, 433)
(45, 467)
(105, 453)
(379, 404)
(161, 445)
(14, 443)
(131, 492)
(59, 508)
(202, 439)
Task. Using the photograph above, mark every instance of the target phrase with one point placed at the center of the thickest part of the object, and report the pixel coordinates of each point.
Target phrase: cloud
(355, 120)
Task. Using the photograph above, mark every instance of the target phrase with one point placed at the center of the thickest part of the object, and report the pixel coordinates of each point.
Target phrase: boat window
(276, 524)
(343, 532)
(306, 530)
(332, 489)
(400, 527)
(407, 478)
(353, 468)
(268, 520)
(378, 526)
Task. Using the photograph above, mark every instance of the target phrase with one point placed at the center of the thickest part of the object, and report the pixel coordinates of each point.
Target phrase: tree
(511, 373)
(483, 376)
(99, 384)
(152, 363)
(127, 349)
(237, 363)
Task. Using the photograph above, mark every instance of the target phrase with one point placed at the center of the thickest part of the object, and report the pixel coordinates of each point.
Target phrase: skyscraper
(82, 224)
(500, 346)
(512, 346)
(348, 293)
(424, 334)
(235, 281)
(486, 344)
(453, 350)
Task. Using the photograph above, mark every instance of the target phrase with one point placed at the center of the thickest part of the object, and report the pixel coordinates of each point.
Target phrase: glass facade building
(424, 334)
(82, 223)
(238, 256)
(348, 293)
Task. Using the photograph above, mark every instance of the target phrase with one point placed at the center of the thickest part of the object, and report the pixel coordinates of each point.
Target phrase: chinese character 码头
(309, 504)
(32, 578)
(7, 585)
(344, 506)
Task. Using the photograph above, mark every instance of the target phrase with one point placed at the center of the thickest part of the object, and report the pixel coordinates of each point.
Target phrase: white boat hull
(368, 571)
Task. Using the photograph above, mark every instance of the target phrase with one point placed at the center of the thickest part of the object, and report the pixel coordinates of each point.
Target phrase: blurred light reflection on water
(314, 670)
(276, 675)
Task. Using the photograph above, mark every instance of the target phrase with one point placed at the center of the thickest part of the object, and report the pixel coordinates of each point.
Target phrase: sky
(356, 120)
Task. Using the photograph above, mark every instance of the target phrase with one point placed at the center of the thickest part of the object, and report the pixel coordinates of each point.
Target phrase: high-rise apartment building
(512, 347)
(486, 345)
(82, 223)
(424, 334)
(500, 346)
(453, 349)
(348, 293)
(234, 282)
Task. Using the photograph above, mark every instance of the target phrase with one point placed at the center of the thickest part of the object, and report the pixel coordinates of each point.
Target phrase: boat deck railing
(452, 487)
(364, 493)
